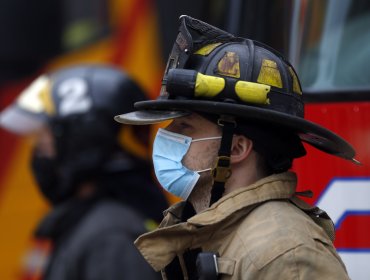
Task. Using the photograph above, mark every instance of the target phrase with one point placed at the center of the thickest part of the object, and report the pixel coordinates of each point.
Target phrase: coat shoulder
(276, 227)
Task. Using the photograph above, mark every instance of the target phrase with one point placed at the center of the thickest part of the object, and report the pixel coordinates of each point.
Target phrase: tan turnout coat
(258, 231)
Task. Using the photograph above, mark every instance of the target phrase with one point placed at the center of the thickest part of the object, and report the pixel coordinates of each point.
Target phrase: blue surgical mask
(169, 148)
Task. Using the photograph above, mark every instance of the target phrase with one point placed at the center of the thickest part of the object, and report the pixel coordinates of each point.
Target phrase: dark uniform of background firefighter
(93, 172)
(237, 126)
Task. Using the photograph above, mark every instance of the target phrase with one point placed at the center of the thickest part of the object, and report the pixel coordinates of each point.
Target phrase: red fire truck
(329, 45)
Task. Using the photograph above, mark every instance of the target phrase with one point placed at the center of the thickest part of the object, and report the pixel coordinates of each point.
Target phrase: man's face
(201, 155)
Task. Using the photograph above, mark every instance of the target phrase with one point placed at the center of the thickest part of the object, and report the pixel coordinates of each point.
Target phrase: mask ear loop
(222, 171)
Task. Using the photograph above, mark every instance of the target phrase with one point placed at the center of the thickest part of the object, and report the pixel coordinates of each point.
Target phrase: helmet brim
(156, 111)
(20, 121)
(149, 116)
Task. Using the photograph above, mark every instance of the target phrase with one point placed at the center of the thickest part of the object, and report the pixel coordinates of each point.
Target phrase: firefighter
(92, 171)
(237, 125)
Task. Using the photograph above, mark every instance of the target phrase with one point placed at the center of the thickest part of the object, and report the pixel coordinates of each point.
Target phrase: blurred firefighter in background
(93, 172)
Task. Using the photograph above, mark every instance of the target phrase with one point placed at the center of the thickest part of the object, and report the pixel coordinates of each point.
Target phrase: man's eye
(184, 125)
(180, 127)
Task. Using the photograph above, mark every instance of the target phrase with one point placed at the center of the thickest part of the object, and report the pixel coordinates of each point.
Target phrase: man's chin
(200, 197)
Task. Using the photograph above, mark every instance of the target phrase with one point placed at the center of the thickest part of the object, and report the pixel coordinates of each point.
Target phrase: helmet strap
(222, 171)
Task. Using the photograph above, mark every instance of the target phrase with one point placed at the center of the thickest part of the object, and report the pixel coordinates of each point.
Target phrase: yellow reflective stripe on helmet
(206, 50)
(269, 74)
(252, 92)
(296, 86)
(229, 65)
(36, 98)
(208, 86)
(47, 99)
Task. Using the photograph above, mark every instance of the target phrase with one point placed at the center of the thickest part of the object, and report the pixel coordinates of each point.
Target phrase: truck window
(329, 44)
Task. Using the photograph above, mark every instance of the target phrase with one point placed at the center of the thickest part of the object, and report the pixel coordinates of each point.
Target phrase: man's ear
(240, 148)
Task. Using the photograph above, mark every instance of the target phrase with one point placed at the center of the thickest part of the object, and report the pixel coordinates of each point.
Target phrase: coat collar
(159, 247)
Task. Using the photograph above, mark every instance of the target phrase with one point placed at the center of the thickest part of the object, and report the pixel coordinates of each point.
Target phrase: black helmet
(78, 105)
(211, 71)
(251, 87)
